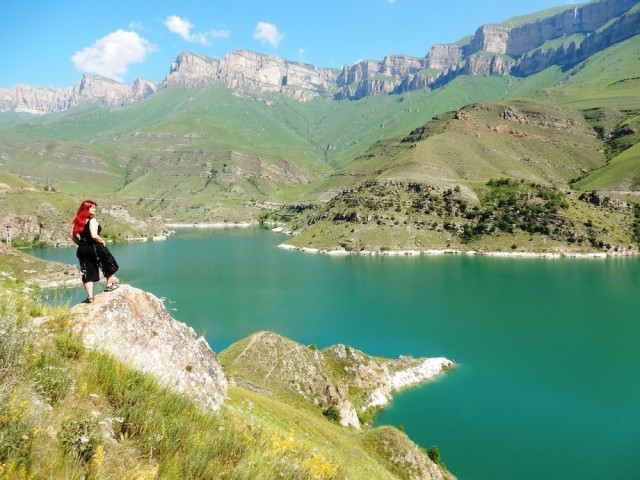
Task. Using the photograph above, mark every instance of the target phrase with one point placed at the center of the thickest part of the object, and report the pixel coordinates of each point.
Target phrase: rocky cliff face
(254, 73)
(135, 327)
(91, 89)
(621, 28)
(492, 50)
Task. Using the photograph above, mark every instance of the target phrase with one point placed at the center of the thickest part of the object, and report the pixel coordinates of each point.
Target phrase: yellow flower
(98, 459)
(150, 475)
(318, 468)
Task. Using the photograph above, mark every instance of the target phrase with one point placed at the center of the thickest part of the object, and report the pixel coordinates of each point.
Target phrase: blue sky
(53, 42)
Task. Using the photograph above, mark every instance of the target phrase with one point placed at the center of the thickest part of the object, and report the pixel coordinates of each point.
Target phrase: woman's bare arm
(74, 238)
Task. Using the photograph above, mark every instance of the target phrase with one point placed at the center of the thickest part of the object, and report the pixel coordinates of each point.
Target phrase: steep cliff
(514, 47)
(499, 50)
(254, 73)
(42, 100)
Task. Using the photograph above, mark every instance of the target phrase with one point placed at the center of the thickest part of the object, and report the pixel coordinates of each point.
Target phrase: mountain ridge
(508, 48)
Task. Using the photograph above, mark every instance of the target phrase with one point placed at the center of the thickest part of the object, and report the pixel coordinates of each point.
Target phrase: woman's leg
(88, 286)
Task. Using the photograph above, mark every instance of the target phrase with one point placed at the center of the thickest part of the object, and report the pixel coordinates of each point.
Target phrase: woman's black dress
(94, 256)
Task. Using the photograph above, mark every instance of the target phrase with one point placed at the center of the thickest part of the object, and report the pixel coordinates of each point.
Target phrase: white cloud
(268, 33)
(111, 55)
(178, 25)
(183, 27)
(301, 54)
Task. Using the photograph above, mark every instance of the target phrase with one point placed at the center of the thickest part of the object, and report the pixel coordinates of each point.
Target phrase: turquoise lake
(547, 382)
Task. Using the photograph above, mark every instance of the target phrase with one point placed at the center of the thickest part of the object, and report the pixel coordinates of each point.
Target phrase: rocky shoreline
(339, 377)
(409, 252)
(396, 253)
(212, 225)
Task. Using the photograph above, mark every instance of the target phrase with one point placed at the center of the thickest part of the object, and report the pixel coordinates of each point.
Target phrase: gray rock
(136, 328)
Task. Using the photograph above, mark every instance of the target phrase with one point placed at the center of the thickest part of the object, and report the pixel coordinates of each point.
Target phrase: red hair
(82, 216)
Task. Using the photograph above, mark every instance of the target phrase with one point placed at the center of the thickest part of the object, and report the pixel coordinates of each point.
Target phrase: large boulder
(136, 328)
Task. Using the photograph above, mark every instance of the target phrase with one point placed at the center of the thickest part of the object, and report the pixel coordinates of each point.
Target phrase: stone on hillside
(136, 328)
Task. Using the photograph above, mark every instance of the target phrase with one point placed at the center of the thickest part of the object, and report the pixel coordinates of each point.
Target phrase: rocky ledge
(136, 328)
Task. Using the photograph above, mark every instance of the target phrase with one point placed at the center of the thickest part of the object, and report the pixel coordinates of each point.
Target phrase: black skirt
(93, 258)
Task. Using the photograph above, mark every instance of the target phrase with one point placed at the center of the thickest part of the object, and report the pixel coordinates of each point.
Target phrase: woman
(92, 251)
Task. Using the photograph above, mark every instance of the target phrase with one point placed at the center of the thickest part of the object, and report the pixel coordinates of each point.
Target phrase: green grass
(621, 174)
(39, 214)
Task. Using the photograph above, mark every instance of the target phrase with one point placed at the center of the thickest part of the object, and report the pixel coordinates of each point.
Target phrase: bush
(51, 380)
(434, 454)
(332, 413)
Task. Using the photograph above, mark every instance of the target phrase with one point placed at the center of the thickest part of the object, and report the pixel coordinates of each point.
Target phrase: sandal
(89, 300)
(112, 287)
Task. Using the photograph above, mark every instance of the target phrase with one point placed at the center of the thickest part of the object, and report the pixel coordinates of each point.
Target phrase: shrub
(434, 454)
(52, 381)
(332, 413)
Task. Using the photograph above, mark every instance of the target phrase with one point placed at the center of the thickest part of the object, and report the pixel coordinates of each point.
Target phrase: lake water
(548, 358)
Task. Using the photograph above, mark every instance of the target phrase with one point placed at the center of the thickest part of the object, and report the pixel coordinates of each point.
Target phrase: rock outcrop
(254, 73)
(338, 376)
(499, 50)
(135, 327)
(510, 48)
(91, 89)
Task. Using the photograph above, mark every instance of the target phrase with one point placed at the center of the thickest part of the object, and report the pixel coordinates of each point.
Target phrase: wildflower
(98, 458)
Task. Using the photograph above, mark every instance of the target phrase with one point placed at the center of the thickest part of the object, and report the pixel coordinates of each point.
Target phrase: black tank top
(85, 234)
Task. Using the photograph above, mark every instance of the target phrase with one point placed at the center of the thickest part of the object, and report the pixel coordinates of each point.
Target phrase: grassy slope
(199, 154)
(621, 175)
(39, 215)
(608, 80)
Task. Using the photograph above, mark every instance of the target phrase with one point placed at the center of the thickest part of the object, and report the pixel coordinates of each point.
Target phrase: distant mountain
(521, 46)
